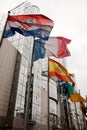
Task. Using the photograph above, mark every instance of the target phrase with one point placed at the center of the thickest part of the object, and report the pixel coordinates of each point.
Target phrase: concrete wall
(8, 56)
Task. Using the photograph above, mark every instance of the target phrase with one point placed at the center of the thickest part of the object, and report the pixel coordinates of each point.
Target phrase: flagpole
(1, 40)
(28, 88)
(48, 95)
(2, 35)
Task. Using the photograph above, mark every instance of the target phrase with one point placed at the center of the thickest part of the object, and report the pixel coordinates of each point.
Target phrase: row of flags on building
(40, 26)
(65, 81)
(58, 70)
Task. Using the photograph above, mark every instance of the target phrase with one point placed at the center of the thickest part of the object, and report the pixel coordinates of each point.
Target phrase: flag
(61, 83)
(29, 25)
(58, 70)
(63, 87)
(76, 98)
(70, 88)
(54, 46)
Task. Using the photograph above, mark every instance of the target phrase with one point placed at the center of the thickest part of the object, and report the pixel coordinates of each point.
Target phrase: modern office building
(35, 103)
(38, 95)
(24, 45)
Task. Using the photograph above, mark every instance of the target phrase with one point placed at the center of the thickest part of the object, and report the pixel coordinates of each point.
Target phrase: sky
(70, 21)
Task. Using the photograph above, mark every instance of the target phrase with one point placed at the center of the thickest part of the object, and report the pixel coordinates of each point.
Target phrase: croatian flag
(54, 46)
(29, 25)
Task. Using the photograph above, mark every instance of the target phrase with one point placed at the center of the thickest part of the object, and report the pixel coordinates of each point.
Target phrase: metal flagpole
(48, 95)
(28, 88)
(6, 22)
(2, 35)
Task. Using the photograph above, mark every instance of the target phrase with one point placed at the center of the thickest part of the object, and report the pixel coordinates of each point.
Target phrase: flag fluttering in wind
(67, 85)
(70, 88)
(54, 46)
(61, 83)
(63, 87)
(76, 98)
(36, 25)
(58, 70)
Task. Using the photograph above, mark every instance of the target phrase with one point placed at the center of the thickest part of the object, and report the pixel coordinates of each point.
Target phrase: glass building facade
(24, 46)
(41, 107)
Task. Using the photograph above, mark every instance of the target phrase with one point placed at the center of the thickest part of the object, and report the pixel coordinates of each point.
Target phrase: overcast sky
(70, 21)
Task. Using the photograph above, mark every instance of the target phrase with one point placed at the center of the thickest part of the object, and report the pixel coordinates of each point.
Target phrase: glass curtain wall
(24, 46)
(53, 97)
